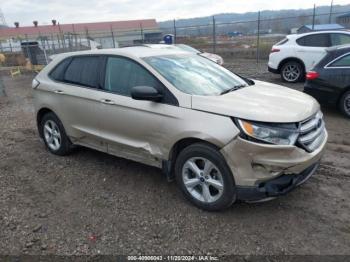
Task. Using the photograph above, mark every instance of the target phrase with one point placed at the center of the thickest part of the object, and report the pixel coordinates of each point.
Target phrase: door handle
(107, 101)
(59, 92)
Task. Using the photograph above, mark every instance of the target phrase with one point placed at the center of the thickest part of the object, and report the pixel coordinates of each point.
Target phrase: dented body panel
(252, 163)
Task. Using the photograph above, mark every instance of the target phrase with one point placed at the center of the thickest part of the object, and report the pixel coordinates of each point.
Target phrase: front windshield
(195, 75)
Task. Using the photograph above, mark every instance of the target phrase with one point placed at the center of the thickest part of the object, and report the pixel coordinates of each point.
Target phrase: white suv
(297, 54)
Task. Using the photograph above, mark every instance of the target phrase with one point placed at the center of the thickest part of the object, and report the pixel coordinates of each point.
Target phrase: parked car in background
(222, 137)
(297, 54)
(329, 80)
(216, 58)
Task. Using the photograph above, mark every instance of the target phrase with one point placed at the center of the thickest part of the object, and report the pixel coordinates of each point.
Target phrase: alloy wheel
(52, 135)
(291, 72)
(202, 179)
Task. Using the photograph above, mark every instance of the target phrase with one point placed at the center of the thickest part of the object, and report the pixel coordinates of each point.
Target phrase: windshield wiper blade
(232, 89)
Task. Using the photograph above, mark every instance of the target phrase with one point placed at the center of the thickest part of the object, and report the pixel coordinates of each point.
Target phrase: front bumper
(253, 163)
(275, 187)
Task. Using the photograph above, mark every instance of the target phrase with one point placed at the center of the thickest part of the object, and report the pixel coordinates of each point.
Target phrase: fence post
(10, 45)
(174, 31)
(330, 12)
(214, 35)
(112, 37)
(142, 39)
(46, 60)
(87, 37)
(313, 18)
(258, 40)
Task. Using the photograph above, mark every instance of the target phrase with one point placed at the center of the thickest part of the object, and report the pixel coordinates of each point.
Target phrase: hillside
(266, 14)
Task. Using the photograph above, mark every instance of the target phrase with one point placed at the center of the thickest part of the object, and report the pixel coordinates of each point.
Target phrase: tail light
(275, 50)
(311, 75)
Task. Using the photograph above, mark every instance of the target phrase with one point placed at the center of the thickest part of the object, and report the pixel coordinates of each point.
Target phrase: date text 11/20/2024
(172, 258)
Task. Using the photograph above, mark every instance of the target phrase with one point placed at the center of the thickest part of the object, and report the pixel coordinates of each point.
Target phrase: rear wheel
(204, 177)
(344, 104)
(292, 72)
(54, 135)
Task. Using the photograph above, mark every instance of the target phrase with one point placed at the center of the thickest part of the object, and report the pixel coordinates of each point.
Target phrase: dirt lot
(91, 203)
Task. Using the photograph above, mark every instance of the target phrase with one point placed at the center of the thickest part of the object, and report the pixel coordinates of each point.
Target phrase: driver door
(134, 129)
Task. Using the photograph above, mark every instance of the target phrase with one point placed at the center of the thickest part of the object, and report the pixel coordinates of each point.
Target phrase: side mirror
(146, 93)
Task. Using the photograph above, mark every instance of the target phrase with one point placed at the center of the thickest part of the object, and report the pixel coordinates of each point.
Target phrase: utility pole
(313, 18)
(330, 13)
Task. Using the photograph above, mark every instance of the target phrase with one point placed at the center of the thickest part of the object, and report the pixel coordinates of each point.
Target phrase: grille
(312, 132)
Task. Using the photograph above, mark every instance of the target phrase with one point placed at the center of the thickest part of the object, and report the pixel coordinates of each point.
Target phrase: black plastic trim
(275, 187)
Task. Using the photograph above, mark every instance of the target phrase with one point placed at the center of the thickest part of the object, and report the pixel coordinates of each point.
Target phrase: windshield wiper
(232, 89)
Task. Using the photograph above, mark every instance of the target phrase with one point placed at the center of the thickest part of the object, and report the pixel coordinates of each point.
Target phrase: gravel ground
(93, 203)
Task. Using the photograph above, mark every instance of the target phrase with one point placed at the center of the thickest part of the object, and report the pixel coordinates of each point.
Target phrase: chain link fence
(250, 39)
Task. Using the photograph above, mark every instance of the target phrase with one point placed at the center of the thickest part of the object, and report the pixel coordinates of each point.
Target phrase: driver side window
(122, 74)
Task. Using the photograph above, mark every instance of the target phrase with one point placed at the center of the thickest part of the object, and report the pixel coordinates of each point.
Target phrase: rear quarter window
(58, 72)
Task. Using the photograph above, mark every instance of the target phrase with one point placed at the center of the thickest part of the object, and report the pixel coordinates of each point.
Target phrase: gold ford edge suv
(221, 136)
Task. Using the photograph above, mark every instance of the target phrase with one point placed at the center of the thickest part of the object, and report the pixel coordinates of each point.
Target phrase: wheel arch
(39, 116)
(346, 89)
(169, 164)
(288, 59)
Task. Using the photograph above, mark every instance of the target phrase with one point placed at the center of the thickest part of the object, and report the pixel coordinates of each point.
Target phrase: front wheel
(344, 104)
(292, 72)
(204, 177)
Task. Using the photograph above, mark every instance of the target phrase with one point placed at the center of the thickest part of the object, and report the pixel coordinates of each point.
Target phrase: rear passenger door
(312, 48)
(338, 73)
(80, 97)
(134, 129)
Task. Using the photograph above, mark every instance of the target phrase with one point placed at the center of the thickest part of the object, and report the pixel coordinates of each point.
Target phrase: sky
(75, 11)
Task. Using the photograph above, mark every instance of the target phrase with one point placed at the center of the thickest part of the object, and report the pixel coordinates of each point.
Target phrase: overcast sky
(74, 11)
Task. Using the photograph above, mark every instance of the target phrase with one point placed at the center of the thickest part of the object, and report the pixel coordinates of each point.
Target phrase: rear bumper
(275, 187)
(273, 70)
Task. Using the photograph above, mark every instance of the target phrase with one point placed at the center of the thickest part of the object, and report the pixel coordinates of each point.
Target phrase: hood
(262, 102)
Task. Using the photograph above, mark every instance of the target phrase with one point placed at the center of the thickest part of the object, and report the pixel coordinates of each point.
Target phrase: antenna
(2, 18)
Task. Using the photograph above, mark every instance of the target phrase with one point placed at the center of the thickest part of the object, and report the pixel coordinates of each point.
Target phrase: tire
(292, 72)
(56, 140)
(202, 188)
(344, 104)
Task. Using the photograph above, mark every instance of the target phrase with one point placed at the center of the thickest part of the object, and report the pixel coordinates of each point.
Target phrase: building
(105, 34)
(323, 27)
(344, 20)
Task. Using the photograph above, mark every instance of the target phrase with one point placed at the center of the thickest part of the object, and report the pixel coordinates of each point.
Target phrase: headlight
(279, 134)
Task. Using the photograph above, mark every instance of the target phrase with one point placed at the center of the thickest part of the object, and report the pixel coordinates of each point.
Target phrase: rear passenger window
(58, 72)
(83, 70)
(318, 40)
(122, 74)
(340, 39)
(344, 61)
